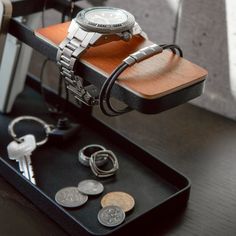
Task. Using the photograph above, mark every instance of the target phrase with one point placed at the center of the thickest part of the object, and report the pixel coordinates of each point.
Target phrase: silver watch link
(68, 53)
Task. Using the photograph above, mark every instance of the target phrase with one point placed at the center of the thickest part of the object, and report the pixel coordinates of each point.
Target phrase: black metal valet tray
(157, 188)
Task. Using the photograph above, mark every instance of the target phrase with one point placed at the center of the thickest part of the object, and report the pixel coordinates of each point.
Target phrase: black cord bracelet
(105, 93)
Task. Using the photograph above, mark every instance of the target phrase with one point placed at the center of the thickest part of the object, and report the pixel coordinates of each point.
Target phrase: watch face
(105, 20)
(106, 16)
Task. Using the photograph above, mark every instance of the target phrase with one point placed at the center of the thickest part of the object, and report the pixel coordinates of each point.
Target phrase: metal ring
(86, 152)
(47, 128)
(104, 173)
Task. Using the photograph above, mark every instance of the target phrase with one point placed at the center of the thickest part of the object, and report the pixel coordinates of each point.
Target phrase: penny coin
(90, 187)
(121, 199)
(70, 197)
(111, 216)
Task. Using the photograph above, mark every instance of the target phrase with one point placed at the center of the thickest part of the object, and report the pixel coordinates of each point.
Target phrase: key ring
(47, 128)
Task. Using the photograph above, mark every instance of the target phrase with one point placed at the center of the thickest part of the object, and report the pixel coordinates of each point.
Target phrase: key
(16, 151)
(21, 152)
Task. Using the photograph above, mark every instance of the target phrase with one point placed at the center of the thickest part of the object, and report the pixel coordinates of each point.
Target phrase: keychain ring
(47, 128)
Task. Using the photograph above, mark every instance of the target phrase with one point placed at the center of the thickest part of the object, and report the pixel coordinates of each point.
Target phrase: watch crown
(126, 36)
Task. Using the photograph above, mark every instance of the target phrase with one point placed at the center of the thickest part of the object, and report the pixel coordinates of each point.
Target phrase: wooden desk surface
(160, 75)
(196, 142)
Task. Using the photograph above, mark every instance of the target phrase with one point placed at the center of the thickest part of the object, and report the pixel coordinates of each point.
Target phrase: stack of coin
(115, 205)
(72, 197)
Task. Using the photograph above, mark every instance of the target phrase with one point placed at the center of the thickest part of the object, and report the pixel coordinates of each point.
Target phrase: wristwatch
(92, 27)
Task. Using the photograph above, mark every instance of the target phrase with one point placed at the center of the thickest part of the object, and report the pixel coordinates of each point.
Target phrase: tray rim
(9, 171)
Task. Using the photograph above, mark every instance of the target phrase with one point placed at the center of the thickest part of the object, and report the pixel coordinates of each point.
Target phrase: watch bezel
(104, 28)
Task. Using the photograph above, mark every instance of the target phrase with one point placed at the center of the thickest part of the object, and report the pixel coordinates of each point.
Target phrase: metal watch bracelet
(68, 53)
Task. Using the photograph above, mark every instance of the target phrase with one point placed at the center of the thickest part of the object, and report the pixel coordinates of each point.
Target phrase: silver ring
(47, 128)
(86, 152)
(104, 173)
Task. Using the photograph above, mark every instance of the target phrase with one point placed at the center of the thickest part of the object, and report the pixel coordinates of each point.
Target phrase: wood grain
(155, 77)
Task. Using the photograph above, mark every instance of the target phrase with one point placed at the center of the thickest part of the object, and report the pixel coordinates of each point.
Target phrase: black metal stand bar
(27, 36)
(26, 7)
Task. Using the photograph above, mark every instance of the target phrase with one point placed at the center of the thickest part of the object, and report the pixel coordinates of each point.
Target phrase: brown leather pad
(155, 77)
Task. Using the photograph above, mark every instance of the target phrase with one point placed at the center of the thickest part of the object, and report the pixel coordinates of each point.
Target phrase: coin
(111, 216)
(70, 197)
(121, 199)
(90, 187)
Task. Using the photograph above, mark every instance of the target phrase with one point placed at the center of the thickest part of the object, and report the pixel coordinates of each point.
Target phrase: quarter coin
(70, 197)
(90, 187)
(111, 216)
(121, 199)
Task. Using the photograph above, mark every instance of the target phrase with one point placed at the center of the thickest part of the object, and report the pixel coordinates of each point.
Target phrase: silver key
(21, 152)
